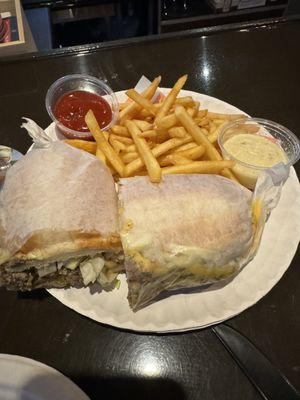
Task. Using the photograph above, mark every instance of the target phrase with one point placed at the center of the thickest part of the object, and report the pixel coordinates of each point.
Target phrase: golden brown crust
(46, 245)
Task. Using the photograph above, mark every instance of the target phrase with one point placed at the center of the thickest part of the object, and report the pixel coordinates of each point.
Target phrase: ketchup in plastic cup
(69, 98)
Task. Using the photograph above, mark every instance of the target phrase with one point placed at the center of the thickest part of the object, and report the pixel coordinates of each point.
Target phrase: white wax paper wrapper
(169, 245)
(269, 185)
(63, 190)
(41, 138)
(187, 231)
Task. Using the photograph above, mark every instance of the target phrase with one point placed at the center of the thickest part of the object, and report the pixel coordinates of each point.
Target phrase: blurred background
(52, 24)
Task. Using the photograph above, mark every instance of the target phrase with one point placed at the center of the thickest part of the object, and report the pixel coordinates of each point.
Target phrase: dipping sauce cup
(69, 98)
(256, 144)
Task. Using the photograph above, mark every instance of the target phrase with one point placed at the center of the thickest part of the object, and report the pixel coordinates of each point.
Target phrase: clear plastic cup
(5, 160)
(8, 157)
(246, 172)
(70, 83)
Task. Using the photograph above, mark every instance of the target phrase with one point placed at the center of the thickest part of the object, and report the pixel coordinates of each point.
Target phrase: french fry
(143, 125)
(167, 122)
(201, 114)
(123, 105)
(128, 157)
(133, 108)
(177, 159)
(117, 146)
(186, 146)
(171, 97)
(219, 121)
(100, 155)
(196, 105)
(157, 151)
(142, 172)
(227, 173)
(162, 136)
(173, 159)
(165, 160)
(178, 131)
(90, 147)
(120, 130)
(131, 148)
(212, 127)
(200, 138)
(152, 133)
(151, 144)
(193, 154)
(186, 101)
(203, 121)
(213, 137)
(106, 135)
(196, 133)
(199, 167)
(103, 144)
(144, 114)
(126, 140)
(146, 155)
(231, 117)
(141, 101)
(191, 111)
(168, 145)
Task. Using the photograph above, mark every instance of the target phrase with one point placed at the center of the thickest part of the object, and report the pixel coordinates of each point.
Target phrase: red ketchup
(71, 108)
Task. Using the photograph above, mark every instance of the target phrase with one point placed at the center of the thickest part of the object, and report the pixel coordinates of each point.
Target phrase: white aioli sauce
(254, 150)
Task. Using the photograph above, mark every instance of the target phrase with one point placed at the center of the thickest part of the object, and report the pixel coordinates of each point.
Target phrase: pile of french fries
(172, 136)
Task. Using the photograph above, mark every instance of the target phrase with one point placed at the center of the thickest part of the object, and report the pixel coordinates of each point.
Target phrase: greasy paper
(171, 242)
(64, 190)
(187, 231)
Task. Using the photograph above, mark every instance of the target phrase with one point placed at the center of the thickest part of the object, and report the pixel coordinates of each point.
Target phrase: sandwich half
(59, 221)
(187, 231)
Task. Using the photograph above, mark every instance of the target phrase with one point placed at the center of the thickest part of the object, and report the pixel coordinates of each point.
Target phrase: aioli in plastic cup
(256, 144)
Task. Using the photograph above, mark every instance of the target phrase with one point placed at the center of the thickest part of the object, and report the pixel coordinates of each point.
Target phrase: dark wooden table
(256, 68)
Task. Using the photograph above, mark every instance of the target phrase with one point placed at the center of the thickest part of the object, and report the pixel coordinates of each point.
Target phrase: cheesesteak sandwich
(59, 221)
(187, 231)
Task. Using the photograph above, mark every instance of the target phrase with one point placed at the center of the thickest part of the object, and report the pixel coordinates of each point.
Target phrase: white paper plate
(25, 379)
(200, 309)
